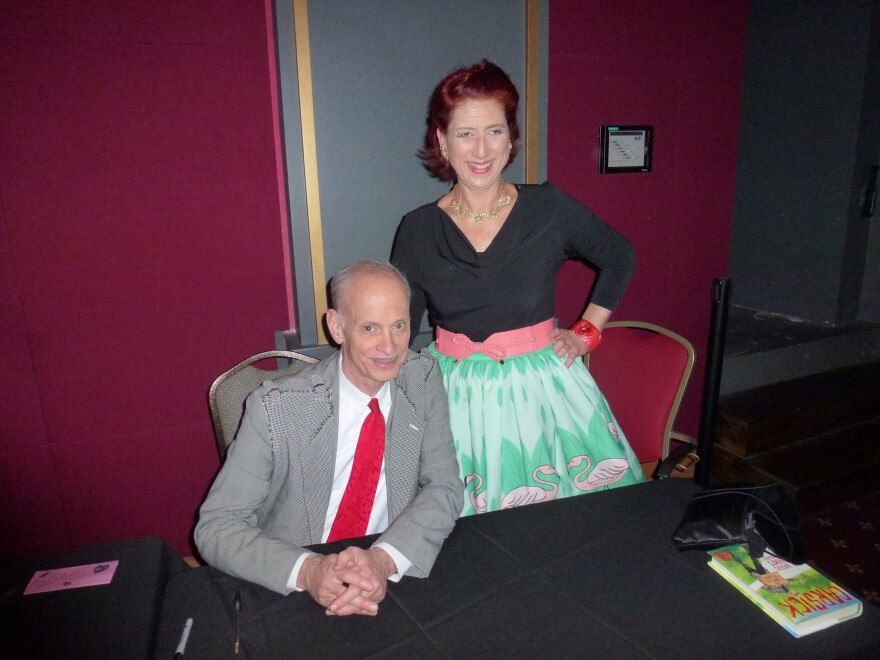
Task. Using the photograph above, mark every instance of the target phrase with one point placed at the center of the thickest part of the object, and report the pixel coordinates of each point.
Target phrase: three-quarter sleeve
(584, 236)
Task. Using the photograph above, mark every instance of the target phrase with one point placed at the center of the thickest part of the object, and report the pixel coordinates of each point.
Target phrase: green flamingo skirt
(529, 430)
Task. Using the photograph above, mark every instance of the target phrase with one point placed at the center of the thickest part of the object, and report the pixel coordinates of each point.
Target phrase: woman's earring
(443, 152)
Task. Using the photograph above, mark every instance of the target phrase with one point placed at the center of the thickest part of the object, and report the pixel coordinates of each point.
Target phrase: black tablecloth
(589, 576)
(112, 621)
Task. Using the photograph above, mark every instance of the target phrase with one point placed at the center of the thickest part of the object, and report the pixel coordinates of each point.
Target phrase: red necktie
(354, 511)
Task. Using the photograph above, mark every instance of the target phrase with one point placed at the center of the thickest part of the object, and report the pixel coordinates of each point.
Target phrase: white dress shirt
(353, 410)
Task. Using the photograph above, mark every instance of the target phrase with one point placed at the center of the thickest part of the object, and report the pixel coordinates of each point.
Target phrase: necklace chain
(479, 218)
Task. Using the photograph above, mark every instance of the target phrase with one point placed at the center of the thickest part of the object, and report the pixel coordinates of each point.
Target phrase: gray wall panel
(374, 65)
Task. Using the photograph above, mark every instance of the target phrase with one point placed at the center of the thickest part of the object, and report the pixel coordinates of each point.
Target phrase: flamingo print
(531, 494)
(477, 501)
(613, 428)
(606, 472)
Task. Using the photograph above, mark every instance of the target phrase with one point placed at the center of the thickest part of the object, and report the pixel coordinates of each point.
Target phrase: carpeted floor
(843, 541)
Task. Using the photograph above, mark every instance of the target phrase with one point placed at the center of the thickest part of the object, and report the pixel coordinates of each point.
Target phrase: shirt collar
(352, 396)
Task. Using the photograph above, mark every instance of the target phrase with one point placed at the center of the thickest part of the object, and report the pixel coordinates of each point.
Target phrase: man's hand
(373, 565)
(326, 583)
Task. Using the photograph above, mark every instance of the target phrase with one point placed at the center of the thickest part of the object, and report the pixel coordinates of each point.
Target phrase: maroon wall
(141, 249)
(140, 255)
(677, 66)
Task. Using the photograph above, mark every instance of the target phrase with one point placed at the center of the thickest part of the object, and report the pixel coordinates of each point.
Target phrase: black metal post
(712, 381)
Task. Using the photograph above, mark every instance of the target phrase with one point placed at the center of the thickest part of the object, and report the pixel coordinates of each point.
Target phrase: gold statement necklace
(479, 218)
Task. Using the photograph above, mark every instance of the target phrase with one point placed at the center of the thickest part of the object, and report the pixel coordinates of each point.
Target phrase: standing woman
(528, 420)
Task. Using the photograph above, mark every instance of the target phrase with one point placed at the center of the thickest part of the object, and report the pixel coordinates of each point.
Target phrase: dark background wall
(142, 241)
(810, 133)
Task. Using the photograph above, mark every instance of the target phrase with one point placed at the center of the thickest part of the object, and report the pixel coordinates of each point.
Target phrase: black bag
(764, 517)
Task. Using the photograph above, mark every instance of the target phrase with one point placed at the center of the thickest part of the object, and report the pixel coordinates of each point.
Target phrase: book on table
(797, 596)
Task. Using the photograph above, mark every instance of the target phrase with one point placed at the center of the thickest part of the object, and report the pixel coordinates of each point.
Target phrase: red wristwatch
(588, 332)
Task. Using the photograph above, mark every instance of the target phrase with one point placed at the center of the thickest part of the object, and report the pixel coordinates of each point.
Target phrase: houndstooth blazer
(272, 493)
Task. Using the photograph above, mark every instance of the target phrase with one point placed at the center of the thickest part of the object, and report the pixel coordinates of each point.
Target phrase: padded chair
(643, 370)
(230, 389)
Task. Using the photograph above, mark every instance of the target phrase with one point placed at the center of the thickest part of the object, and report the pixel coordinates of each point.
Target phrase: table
(113, 621)
(595, 575)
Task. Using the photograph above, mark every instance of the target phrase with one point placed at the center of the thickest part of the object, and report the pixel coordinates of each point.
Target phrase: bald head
(341, 283)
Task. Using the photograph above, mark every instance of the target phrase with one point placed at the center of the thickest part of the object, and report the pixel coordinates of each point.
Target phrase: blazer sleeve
(229, 534)
(420, 529)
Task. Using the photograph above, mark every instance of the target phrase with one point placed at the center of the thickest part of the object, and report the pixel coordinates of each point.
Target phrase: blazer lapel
(403, 444)
(319, 450)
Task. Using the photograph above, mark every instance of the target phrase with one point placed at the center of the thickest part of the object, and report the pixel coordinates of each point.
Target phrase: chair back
(643, 369)
(230, 389)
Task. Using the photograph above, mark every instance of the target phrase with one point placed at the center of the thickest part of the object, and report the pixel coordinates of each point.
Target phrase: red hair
(483, 80)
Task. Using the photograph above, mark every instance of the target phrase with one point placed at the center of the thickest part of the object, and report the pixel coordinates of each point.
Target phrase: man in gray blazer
(284, 475)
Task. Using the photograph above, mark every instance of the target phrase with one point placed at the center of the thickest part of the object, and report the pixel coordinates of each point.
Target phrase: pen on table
(181, 646)
(237, 618)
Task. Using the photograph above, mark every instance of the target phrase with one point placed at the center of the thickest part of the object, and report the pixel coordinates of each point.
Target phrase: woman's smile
(477, 143)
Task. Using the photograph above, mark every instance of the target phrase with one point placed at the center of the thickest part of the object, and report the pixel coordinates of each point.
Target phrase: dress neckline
(501, 230)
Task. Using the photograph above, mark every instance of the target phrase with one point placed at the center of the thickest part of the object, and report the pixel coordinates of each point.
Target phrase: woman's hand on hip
(567, 345)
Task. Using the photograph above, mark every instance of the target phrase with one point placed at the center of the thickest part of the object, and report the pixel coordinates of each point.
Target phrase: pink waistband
(497, 346)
